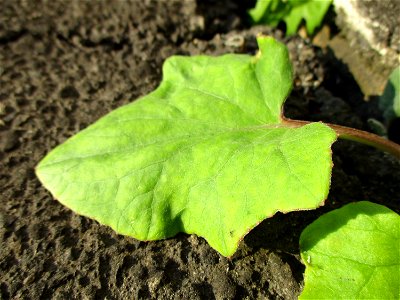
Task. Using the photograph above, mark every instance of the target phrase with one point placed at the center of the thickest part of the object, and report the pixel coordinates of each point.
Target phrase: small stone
(8, 141)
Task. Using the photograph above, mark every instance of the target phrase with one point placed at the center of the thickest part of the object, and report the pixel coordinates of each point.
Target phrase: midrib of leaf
(201, 136)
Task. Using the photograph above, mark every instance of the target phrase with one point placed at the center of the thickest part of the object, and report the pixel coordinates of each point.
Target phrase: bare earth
(64, 64)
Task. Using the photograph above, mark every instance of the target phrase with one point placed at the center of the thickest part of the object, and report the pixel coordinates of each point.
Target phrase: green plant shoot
(292, 12)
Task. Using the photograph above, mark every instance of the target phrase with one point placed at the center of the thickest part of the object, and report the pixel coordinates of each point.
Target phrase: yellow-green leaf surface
(352, 253)
(205, 153)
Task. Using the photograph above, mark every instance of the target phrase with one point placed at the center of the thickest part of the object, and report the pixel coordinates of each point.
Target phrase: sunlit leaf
(352, 253)
(205, 153)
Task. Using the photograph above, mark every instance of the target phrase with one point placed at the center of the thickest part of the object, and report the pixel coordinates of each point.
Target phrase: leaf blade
(352, 252)
(196, 154)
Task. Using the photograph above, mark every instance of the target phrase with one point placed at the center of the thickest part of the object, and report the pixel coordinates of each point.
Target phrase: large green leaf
(352, 253)
(205, 153)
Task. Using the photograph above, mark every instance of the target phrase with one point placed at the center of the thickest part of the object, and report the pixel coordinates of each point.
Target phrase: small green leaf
(390, 100)
(352, 253)
(205, 153)
(312, 11)
(292, 12)
(269, 12)
(258, 11)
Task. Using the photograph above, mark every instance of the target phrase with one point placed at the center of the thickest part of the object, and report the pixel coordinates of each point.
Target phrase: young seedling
(292, 12)
(207, 153)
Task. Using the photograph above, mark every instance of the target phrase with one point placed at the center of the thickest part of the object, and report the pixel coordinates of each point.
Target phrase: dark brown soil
(63, 64)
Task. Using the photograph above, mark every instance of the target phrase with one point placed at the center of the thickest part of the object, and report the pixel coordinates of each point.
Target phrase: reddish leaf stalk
(356, 135)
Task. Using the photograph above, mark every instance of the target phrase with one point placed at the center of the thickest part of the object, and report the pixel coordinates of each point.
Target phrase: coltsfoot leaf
(205, 153)
(352, 253)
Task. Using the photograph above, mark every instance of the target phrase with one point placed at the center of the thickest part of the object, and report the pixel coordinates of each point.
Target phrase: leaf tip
(264, 41)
